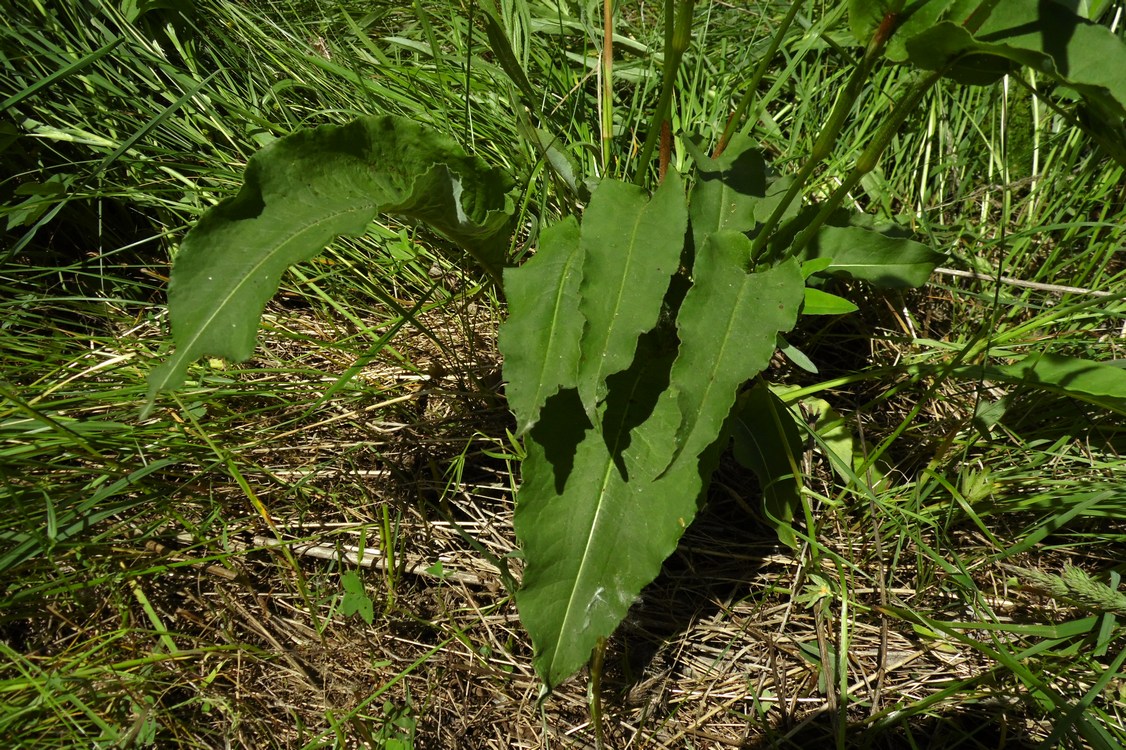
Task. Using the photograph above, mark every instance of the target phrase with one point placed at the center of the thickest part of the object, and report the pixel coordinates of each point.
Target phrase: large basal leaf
(874, 257)
(727, 189)
(728, 324)
(1047, 36)
(540, 339)
(593, 518)
(302, 191)
(631, 248)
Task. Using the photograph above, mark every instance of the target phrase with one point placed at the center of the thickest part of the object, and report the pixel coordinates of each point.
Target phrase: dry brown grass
(718, 653)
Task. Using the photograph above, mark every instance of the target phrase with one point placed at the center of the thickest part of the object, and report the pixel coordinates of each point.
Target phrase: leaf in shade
(766, 441)
(728, 325)
(727, 190)
(1047, 36)
(1100, 383)
(593, 519)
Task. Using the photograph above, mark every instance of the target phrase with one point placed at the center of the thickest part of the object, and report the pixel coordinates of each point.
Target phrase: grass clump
(206, 576)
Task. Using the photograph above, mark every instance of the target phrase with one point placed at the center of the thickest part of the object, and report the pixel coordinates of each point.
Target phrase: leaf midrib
(627, 267)
(186, 349)
(570, 609)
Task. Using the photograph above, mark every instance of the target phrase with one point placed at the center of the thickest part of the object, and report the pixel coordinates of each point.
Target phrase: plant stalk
(597, 659)
(606, 113)
(741, 108)
(678, 33)
(868, 158)
(827, 138)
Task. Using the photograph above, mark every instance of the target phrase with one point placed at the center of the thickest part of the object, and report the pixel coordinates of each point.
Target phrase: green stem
(752, 87)
(868, 158)
(827, 137)
(596, 661)
(871, 154)
(678, 32)
(607, 119)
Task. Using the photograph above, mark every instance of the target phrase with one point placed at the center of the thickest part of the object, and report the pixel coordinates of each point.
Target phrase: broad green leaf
(355, 599)
(874, 257)
(735, 192)
(866, 16)
(595, 514)
(766, 441)
(818, 302)
(302, 191)
(540, 339)
(593, 518)
(1044, 35)
(728, 324)
(1096, 382)
(631, 248)
(727, 190)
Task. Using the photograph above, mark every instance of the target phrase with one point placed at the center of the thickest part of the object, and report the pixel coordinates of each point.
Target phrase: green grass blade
(59, 74)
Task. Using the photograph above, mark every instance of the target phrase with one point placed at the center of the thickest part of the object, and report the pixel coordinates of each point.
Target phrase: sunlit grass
(140, 601)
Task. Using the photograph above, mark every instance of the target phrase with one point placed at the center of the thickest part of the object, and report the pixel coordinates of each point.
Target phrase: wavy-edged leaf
(631, 248)
(540, 339)
(874, 257)
(594, 520)
(302, 191)
(728, 324)
(727, 190)
(735, 192)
